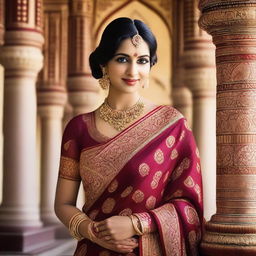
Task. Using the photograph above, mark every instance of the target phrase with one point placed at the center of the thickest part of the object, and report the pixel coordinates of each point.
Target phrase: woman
(138, 162)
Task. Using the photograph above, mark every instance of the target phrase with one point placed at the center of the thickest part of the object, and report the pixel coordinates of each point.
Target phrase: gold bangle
(74, 223)
(144, 220)
(136, 224)
(90, 231)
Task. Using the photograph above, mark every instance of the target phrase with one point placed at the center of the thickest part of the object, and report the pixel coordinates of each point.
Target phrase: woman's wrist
(80, 226)
(83, 229)
(146, 222)
(136, 225)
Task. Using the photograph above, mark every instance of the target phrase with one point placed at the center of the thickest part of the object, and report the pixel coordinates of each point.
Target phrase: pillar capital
(24, 23)
(228, 17)
(84, 93)
(81, 7)
(199, 54)
(21, 60)
(52, 98)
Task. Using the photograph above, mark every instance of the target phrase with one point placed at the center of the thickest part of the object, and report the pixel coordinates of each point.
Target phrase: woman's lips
(130, 81)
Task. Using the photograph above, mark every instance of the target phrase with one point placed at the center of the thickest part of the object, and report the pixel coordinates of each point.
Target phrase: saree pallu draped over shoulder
(151, 169)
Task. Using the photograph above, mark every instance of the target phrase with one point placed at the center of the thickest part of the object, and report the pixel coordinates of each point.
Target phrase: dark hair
(116, 31)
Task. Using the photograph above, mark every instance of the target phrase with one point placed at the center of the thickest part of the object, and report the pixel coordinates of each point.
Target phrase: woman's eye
(143, 61)
(122, 59)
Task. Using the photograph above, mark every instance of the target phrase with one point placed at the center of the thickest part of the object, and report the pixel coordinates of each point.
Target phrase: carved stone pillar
(232, 230)
(84, 92)
(200, 77)
(181, 95)
(1, 95)
(21, 56)
(22, 59)
(2, 17)
(52, 96)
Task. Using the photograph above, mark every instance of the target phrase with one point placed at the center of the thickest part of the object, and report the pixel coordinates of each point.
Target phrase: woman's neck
(121, 101)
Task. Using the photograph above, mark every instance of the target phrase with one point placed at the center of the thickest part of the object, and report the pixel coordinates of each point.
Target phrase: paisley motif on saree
(99, 165)
(151, 170)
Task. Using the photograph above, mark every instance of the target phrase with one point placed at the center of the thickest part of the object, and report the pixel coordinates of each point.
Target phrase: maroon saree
(151, 169)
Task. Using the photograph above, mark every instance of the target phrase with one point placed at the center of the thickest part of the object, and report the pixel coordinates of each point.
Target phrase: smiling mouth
(130, 81)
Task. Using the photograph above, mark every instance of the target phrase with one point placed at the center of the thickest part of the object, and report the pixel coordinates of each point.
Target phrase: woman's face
(129, 69)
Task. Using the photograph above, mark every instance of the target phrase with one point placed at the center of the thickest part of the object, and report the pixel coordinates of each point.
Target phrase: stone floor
(64, 247)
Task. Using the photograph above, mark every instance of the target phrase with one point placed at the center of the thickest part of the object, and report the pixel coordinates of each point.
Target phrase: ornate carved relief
(22, 23)
(215, 21)
(80, 25)
(2, 17)
(52, 79)
(39, 14)
(21, 11)
(105, 8)
(82, 7)
(232, 25)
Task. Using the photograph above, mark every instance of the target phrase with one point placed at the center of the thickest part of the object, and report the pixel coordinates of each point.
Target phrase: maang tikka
(136, 39)
(104, 81)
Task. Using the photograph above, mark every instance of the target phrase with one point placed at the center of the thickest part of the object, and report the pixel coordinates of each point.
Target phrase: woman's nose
(132, 69)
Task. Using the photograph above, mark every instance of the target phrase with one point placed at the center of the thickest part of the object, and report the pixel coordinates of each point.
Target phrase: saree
(151, 169)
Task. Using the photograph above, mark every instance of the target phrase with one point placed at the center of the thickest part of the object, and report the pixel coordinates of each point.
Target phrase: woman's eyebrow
(126, 55)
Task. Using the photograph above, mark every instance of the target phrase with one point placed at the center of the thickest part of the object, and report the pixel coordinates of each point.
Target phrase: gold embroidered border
(100, 164)
(151, 245)
(169, 222)
(69, 169)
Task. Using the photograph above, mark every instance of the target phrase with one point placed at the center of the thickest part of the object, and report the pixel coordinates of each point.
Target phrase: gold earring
(145, 84)
(104, 81)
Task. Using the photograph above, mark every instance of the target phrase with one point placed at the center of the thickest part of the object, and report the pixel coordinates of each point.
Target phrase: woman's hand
(88, 230)
(121, 246)
(115, 228)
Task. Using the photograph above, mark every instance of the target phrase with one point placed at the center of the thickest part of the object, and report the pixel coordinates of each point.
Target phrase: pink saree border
(100, 164)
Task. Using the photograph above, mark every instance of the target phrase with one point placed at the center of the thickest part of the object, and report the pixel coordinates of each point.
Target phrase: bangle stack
(74, 223)
(145, 222)
(136, 225)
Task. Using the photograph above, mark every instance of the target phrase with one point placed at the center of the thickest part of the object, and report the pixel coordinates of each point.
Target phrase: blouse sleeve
(178, 220)
(70, 152)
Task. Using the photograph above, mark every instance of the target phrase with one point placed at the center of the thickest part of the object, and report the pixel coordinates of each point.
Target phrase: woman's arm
(65, 209)
(65, 199)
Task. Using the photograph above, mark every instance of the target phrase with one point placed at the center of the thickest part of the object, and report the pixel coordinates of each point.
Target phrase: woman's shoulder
(79, 121)
(171, 112)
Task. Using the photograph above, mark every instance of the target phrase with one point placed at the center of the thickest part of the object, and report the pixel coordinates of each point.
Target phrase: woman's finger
(100, 228)
(100, 223)
(107, 238)
(126, 243)
(104, 234)
(125, 247)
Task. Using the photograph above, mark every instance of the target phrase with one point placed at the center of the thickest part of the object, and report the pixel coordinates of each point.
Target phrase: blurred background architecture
(45, 80)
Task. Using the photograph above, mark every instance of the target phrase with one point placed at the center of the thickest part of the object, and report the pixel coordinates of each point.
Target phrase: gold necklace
(120, 118)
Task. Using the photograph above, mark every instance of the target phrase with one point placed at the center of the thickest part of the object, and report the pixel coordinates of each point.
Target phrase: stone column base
(228, 240)
(27, 240)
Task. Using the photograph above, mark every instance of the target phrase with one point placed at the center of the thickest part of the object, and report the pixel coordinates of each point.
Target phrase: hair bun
(95, 65)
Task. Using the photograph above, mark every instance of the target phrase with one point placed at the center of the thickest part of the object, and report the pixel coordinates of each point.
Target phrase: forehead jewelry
(136, 39)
